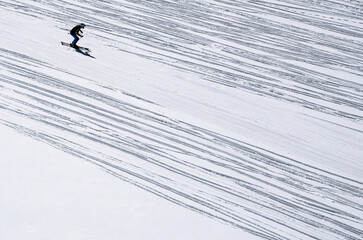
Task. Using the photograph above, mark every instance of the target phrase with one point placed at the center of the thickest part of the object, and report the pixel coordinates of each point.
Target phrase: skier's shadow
(85, 53)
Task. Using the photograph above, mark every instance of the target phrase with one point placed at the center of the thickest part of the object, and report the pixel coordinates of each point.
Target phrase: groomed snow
(188, 120)
(49, 194)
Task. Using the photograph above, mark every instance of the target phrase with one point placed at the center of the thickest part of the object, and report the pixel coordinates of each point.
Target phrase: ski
(76, 47)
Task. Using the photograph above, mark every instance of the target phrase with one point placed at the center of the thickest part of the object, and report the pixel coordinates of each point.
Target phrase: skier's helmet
(82, 25)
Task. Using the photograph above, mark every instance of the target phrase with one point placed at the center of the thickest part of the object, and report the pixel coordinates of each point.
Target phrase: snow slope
(188, 120)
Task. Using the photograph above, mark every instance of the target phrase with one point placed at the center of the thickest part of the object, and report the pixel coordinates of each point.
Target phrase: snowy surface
(48, 194)
(188, 120)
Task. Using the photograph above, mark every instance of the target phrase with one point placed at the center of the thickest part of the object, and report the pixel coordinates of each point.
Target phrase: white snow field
(205, 119)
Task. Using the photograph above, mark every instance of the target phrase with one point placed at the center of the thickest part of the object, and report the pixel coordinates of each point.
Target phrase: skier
(76, 32)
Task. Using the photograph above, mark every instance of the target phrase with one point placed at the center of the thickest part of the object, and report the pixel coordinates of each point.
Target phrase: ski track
(254, 46)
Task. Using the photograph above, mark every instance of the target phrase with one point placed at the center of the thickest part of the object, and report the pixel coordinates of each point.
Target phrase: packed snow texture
(206, 119)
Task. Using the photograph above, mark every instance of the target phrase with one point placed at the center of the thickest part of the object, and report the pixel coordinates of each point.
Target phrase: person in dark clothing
(76, 32)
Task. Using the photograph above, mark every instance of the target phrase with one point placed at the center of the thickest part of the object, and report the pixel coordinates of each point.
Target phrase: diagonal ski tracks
(213, 174)
(252, 46)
